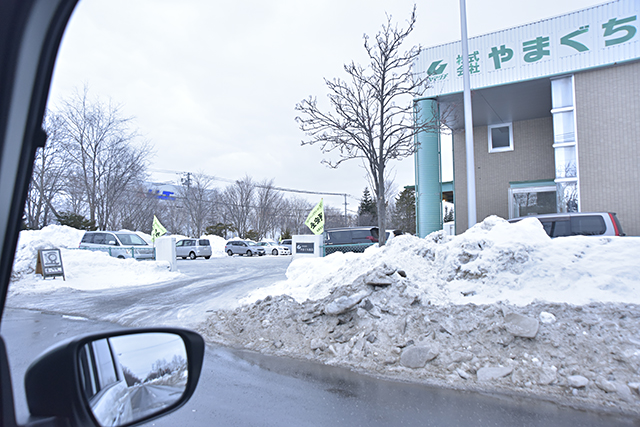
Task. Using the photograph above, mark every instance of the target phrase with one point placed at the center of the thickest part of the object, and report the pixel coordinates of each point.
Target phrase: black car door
(30, 33)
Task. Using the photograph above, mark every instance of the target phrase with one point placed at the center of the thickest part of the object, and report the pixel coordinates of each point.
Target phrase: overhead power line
(287, 190)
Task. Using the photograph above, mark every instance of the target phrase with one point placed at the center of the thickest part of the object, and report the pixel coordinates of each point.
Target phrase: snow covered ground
(499, 308)
(87, 270)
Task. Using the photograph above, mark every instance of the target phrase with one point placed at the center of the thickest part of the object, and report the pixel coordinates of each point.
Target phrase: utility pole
(345, 210)
(187, 181)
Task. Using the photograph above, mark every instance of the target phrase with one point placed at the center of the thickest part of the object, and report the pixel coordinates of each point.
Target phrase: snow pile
(500, 308)
(217, 245)
(30, 241)
(493, 261)
(84, 270)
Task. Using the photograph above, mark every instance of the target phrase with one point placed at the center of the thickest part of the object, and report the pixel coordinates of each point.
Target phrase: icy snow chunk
(317, 344)
(379, 278)
(546, 376)
(577, 381)
(547, 317)
(624, 392)
(344, 303)
(493, 373)
(463, 374)
(418, 356)
(605, 385)
(521, 326)
(458, 356)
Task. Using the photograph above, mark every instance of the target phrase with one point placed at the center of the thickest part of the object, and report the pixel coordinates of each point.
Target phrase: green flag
(315, 220)
(157, 229)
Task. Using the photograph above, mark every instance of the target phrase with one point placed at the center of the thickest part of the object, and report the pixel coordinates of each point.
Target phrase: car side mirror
(119, 378)
(112, 243)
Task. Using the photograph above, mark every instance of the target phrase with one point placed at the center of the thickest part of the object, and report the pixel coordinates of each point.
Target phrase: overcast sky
(213, 85)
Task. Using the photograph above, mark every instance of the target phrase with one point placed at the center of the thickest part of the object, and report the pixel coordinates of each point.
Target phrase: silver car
(119, 244)
(243, 247)
(578, 224)
(193, 248)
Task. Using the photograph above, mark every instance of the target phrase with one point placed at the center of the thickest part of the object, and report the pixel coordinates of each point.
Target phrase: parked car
(243, 247)
(193, 248)
(274, 248)
(579, 223)
(287, 243)
(119, 244)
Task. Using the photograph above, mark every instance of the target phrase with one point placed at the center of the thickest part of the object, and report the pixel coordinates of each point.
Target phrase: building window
(532, 199)
(500, 138)
(565, 144)
(568, 197)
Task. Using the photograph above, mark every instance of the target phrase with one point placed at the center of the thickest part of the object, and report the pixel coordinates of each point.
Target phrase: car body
(193, 248)
(30, 35)
(287, 243)
(119, 244)
(578, 224)
(243, 247)
(274, 249)
(351, 239)
(109, 385)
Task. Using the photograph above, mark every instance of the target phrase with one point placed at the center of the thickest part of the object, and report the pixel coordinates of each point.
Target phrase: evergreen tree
(76, 221)
(404, 214)
(367, 211)
(448, 214)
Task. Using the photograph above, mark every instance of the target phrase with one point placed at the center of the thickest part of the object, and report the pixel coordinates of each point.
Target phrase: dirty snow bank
(499, 308)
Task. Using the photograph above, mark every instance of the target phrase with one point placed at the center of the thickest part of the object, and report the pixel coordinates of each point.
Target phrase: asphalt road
(205, 285)
(246, 389)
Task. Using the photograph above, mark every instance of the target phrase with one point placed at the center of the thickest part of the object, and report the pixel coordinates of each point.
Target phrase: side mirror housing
(96, 379)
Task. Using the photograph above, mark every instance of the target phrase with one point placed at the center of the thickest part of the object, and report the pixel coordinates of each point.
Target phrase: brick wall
(531, 159)
(608, 132)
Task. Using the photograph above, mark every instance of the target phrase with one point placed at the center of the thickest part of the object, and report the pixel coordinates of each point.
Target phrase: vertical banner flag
(157, 229)
(315, 220)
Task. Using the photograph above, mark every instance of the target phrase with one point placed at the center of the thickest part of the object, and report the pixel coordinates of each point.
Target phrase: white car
(274, 249)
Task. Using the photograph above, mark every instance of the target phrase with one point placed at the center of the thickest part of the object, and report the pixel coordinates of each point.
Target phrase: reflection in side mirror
(131, 377)
(115, 378)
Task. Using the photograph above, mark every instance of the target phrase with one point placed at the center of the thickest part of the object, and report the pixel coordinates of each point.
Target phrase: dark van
(350, 239)
(579, 224)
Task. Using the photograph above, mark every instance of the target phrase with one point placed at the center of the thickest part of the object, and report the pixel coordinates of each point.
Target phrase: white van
(119, 244)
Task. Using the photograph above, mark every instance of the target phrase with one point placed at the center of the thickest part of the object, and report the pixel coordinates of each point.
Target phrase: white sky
(213, 85)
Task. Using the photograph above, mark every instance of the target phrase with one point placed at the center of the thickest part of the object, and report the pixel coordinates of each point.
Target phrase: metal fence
(356, 247)
(125, 252)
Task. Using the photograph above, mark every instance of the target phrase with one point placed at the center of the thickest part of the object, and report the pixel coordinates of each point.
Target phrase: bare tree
(49, 170)
(137, 210)
(105, 161)
(174, 217)
(269, 206)
(373, 117)
(333, 217)
(295, 212)
(238, 204)
(197, 197)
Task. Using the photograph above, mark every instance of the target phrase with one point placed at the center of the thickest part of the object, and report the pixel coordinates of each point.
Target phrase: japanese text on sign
(582, 39)
(315, 219)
